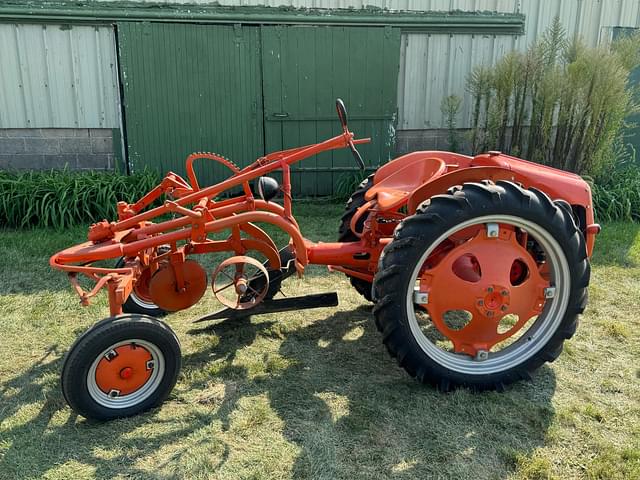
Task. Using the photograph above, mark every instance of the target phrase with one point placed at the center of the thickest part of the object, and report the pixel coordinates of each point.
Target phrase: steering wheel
(342, 115)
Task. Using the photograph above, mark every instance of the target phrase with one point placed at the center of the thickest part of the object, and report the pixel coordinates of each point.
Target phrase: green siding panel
(305, 69)
(191, 88)
(203, 88)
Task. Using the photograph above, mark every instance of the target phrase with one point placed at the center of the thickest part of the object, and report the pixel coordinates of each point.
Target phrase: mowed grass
(313, 394)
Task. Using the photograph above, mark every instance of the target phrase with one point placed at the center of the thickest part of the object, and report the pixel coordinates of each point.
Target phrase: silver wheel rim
(136, 397)
(536, 336)
(142, 303)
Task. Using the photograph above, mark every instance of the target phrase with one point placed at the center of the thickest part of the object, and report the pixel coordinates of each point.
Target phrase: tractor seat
(393, 190)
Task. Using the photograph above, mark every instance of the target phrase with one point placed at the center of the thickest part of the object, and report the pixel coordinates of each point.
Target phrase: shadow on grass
(391, 426)
(28, 449)
(343, 402)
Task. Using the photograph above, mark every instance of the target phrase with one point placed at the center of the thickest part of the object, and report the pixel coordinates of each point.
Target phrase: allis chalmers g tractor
(478, 268)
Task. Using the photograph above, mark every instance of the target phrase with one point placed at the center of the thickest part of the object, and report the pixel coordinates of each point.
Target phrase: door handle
(281, 115)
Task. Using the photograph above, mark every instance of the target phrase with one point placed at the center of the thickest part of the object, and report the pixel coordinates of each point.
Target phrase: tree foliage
(559, 103)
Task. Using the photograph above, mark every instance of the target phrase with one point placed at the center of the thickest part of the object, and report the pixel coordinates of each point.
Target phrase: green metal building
(129, 85)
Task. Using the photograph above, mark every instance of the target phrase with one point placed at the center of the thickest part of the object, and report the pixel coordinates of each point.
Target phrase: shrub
(450, 107)
(348, 183)
(563, 103)
(617, 197)
(63, 198)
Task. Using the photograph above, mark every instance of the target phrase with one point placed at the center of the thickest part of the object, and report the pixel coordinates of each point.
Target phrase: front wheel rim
(126, 374)
(537, 335)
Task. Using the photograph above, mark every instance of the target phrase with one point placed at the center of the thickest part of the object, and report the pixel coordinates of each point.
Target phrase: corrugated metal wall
(58, 76)
(418, 5)
(434, 66)
(55, 76)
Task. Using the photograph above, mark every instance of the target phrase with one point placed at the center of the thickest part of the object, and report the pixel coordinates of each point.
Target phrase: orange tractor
(478, 268)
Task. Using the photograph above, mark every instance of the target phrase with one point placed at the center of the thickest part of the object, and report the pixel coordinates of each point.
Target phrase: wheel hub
(495, 301)
(484, 289)
(124, 370)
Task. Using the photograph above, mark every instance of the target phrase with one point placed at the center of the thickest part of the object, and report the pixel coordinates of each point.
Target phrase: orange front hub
(124, 370)
(489, 277)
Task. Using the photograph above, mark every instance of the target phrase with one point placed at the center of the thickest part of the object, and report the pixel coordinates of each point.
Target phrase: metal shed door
(191, 88)
(304, 69)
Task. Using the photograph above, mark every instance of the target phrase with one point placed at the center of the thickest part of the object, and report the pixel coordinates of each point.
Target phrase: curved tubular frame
(136, 238)
(199, 213)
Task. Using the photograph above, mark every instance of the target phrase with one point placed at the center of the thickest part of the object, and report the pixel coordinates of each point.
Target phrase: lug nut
(480, 303)
(489, 314)
(482, 355)
(503, 308)
(504, 293)
(490, 289)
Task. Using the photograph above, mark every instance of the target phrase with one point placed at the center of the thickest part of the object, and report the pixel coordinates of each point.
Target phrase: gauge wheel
(139, 300)
(120, 367)
(481, 286)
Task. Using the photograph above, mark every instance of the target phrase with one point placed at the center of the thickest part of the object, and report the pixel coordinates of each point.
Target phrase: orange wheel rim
(124, 370)
(488, 277)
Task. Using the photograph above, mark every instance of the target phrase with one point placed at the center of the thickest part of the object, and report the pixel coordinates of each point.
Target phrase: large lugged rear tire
(120, 367)
(345, 234)
(556, 254)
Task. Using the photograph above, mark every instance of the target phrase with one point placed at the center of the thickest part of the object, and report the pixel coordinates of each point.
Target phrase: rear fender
(555, 183)
(458, 177)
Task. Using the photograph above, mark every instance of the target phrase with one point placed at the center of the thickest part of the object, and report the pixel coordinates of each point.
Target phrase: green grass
(314, 394)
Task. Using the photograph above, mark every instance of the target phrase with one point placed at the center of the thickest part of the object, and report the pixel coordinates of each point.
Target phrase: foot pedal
(288, 304)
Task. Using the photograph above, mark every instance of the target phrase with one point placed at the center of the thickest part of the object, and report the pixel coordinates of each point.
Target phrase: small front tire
(120, 367)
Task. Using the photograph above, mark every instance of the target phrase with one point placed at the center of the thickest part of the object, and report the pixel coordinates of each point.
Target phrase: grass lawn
(314, 394)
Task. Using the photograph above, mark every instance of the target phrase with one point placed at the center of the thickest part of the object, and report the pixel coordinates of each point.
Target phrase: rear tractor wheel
(481, 286)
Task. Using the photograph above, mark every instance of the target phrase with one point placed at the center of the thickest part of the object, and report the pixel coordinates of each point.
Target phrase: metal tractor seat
(394, 189)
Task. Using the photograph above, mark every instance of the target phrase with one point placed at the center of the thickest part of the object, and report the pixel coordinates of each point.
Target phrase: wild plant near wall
(348, 183)
(617, 197)
(559, 103)
(60, 199)
(450, 106)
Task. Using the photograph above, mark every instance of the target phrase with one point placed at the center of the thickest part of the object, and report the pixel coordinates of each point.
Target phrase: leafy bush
(60, 199)
(617, 196)
(450, 106)
(559, 103)
(348, 183)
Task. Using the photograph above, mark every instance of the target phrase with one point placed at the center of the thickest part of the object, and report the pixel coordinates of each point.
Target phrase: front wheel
(481, 286)
(120, 367)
